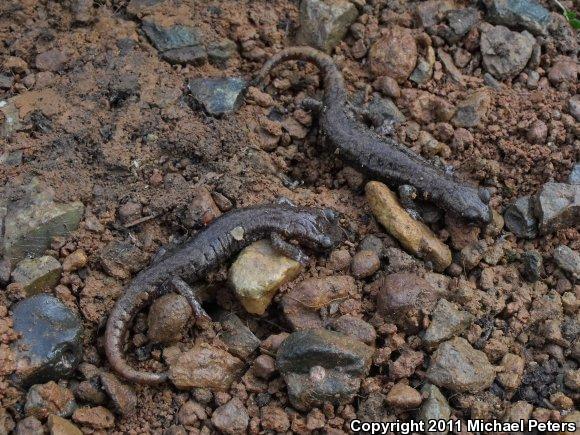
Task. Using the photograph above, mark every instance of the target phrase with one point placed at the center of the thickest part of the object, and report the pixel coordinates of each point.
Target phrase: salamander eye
(326, 242)
(484, 195)
(329, 214)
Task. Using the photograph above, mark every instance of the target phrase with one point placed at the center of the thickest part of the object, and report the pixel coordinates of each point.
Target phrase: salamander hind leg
(181, 287)
(287, 249)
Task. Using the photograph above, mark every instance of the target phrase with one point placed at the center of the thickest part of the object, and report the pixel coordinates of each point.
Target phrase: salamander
(317, 229)
(379, 157)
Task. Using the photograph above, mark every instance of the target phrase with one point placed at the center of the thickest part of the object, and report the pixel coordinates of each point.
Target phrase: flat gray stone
(171, 37)
(519, 14)
(37, 274)
(505, 53)
(218, 96)
(447, 322)
(568, 260)
(557, 206)
(519, 218)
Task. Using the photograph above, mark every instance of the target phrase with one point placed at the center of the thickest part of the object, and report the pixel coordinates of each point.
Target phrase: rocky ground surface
(126, 126)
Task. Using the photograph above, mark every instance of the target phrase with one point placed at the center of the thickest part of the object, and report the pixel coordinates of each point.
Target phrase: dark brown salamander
(315, 228)
(379, 157)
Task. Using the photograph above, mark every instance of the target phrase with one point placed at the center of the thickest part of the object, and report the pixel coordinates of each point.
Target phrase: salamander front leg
(288, 249)
(183, 288)
(312, 104)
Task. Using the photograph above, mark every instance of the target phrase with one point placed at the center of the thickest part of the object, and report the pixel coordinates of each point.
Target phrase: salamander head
(325, 232)
(475, 208)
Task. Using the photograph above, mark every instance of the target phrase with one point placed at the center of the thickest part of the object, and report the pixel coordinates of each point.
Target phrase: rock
(415, 236)
(83, 11)
(274, 419)
(96, 418)
(519, 218)
(339, 260)
(303, 302)
(205, 366)
(519, 411)
(450, 67)
(462, 233)
(49, 398)
(60, 426)
(38, 274)
(460, 22)
(218, 96)
(177, 43)
(122, 259)
(532, 265)
(195, 55)
(231, 418)
(519, 14)
(123, 396)
(557, 206)
(258, 273)
(9, 118)
(430, 12)
(424, 69)
(365, 264)
(238, 338)
(167, 318)
(52, 60)
(572, 417)
(512, 371)
(5, 270)
(387, 86)
(403, 397)
(50, 347)
(568, 260)
(471, 255)
(320, 366)
(472, 110)
(505, 53)
(394, 54)
(202, 210)
(264, 367)
(537, 133)
(574, 108)
(402, 292)
(220, 52)
(190, 412)
(383, 109)
(27, 426)
(425, 107)
(31, 222)
(457, 366)
(6, 82)
(446, 323)
(74, 261)
(323, 23)
(435, 406)
(354, 327)
(90, 392)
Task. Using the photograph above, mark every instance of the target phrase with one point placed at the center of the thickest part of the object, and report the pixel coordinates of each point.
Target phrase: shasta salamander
(379, 157)
(315, 228)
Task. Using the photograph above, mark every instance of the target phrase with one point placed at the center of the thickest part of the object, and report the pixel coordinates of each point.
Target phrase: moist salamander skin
(377, 156)
(315, 228)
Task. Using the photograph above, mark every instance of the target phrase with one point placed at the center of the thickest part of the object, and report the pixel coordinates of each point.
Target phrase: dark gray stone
(6, 82)
(568, 260)
(218, 96)
(320, 365)
(505, 53)
(435, 407)
(519, 218)
(381, 109)
(574, 108)
(37, 274)
(557, 206)
(238, 338)
(460, 22)
(574, 177)
(195, 55)
(532, 265)
(51, 340)
(447, 322)
(529, 15)
(171, 37)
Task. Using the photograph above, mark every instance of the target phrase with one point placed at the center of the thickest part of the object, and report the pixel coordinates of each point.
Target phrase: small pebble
(365, 264)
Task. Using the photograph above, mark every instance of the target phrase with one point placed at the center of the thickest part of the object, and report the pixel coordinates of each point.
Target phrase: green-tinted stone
(37, 274)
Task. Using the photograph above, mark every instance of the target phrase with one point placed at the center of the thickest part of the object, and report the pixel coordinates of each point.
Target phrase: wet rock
(537, 133)
(320, 365)
(49, 398)
(460, 22)
(519, 218)
(383, 109)
(426, 107)
(61, 426)
(258, 273)
(557, 206)
(323, 24)
(415, 236)
(519, 14)
(447, 322)
(472, 110)
(122, 259)
(532, 265)
(205, 366)
(512, 371)
(95, 418)
(218, 96)
(38, 274)
(238, 338)
(457, 366)
(167, 318)
(27, 426)
(122, 395)
(394, 54)
(399, 293)
(354, 327)
(402, 397)
(505, 53)
(52, 60)
(365, 264)
(574, 108)
(231, 418)
(220, 52)
(568, 260)
(31, 222)
(50, 345)
(435, 406)
(301, 304)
